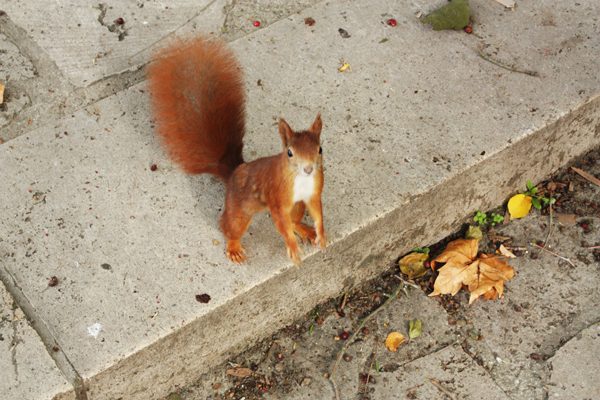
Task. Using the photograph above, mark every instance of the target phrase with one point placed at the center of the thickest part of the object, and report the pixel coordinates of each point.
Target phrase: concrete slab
(420, 134)
(86, 42)
(575, 367)
(27, 370)
(549, 303)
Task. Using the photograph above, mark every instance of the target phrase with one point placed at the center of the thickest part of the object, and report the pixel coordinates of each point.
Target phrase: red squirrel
(197, 99)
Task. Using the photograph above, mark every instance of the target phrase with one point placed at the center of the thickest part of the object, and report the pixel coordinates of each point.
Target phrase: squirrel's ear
(285, 131)
(317, 125)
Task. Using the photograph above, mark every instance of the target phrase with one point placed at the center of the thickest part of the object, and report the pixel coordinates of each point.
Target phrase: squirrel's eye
(320, 150)
(289, 153)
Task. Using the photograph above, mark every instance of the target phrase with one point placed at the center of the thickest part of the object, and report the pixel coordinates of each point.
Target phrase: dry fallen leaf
(519, 205)
(413, 265)
(309, 21)
(505, 252)
(570, 218)
(345, 67)
(240, 372)
(1, 93)
(394, 340)
(485, 275)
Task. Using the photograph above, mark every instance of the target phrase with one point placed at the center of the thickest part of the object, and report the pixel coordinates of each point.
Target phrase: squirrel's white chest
(304, 186)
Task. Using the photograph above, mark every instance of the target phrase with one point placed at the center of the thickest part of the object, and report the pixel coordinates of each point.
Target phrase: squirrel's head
(302, 149)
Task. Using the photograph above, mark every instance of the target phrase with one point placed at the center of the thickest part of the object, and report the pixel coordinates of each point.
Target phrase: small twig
(371, 366)
(385, 305)
(344, 302)
(444, 349)
(554, 254)
(593, 247)
(523, 71)
(550, 228)
(407, 283)
(443, 389)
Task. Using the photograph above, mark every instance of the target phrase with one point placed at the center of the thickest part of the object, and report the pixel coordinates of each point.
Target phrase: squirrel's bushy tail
(199, 105)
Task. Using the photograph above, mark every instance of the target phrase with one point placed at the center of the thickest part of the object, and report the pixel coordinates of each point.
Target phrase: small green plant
(482, 219)
(424, 250)
(536, 200)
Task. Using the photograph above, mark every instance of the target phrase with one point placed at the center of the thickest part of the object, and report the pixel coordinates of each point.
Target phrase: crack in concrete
(14, 342)
(37, 323)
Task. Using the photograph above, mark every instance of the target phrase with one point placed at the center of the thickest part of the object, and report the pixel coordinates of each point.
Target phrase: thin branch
(523, 71)
(371, 366)
(385, 305)
(554, 254)
(550, 228)
(443, 389)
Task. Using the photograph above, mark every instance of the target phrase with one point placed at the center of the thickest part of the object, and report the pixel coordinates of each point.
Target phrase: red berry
(153, 167)
(256, 23)
(344, 335)
(468, 29)
(391, 22)
(120, 21)
(584, 225)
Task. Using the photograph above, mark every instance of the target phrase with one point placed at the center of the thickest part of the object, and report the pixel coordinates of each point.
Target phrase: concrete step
(418, 136)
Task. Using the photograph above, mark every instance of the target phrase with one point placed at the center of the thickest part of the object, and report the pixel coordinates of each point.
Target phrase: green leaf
(383, 40)
(454, 15)
(552, 201)
(311, 329)
(376, 366)
(534, 190)
(474, 232)
(529, 185)
(545, 200)
(415, 329)
(536, 203)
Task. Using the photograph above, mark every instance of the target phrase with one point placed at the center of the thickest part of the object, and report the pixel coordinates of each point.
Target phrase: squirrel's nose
(308, 170)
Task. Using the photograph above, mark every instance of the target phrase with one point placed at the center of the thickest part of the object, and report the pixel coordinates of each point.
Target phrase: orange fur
(198, 102)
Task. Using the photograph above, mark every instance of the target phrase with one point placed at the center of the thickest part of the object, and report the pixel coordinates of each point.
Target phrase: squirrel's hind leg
(234, 223)
(304, 231)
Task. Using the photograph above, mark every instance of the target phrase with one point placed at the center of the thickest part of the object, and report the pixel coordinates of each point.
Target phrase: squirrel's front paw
(235, 251)
(293, 251)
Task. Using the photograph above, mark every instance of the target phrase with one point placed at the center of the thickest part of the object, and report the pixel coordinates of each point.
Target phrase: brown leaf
(240, 372)
(587, 176)
(491, 274)
(394, 340)
(309, 21)
(458, 251)
(480, 275)
(505, 252)
(570, 218)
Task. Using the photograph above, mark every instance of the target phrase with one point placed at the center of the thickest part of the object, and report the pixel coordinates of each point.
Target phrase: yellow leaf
(413, 265)
(344, 67)
(519, 205)
(394, 340)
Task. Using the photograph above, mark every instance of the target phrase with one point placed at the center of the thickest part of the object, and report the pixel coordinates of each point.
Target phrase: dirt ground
(504, 348)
